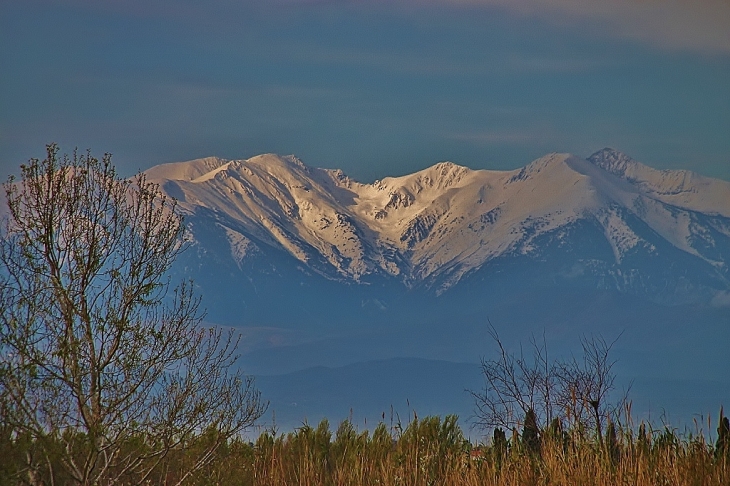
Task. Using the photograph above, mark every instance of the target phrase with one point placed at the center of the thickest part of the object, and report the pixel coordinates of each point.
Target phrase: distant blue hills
(363, 296)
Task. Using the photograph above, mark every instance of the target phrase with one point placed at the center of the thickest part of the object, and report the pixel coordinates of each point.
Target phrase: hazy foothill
(397, 278)
(111, 375)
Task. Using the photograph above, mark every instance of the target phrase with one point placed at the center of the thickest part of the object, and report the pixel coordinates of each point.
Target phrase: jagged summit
(441, 176)
(437, 225)
(613, 161)
(438, 177)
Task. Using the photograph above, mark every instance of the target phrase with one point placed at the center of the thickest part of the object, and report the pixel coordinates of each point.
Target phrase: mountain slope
(369, 280)
(434, 227)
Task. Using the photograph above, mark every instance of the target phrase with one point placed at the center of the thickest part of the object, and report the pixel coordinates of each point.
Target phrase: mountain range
(317, 269)
(665, 234)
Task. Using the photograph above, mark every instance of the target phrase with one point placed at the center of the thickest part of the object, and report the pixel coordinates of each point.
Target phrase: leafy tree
(102, 368)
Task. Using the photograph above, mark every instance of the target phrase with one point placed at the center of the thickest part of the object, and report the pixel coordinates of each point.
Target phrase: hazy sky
(373, 87)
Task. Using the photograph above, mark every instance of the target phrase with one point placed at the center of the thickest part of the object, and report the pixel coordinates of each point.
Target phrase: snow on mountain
(446, 221)
(185, 170)
(681, 188)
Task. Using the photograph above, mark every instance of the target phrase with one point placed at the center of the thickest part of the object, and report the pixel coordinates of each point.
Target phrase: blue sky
(373, 87)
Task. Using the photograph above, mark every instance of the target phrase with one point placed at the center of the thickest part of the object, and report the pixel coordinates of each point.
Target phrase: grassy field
(433, 451)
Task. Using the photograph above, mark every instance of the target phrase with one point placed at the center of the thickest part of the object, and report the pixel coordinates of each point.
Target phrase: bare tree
(102, 367)
(515, 385)
(587, 382)
(575, 391)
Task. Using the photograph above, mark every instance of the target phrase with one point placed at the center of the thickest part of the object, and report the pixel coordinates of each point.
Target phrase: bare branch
(99, 361)
(575, 391)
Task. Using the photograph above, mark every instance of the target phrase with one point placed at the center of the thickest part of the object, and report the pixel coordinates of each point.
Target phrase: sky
(375, 88)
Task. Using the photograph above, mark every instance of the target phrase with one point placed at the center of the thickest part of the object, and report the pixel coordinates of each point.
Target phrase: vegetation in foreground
(104, 380)
(433, 451)
(106, 370)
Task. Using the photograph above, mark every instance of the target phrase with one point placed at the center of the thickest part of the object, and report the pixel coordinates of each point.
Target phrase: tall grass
(433, 451)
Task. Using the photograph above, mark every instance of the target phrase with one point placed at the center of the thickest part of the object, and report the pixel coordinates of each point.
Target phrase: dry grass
(434, 452)
(431, 451)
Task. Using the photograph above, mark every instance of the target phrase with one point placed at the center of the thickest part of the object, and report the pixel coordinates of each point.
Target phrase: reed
(433, 451)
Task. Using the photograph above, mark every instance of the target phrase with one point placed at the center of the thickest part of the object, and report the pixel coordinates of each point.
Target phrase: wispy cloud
(702, 25)
(699, 25)
(686, 25)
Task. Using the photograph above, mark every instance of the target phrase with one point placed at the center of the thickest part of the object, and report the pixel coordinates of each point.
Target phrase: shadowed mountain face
(317, 269)
(607, 222)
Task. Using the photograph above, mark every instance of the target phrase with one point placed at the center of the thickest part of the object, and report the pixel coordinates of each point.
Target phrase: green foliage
(612, 447)
(430, 448)
(558, 435)
(430, 451)
(722, 446)
(310, 450)
(531, 433)
(381, 443)
(499, 444)
(348, 445)
(642, 442)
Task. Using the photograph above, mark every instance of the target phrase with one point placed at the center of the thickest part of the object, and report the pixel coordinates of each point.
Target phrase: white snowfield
(445, 220)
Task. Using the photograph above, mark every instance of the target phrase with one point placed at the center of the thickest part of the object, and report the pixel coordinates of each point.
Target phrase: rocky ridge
(440, 224)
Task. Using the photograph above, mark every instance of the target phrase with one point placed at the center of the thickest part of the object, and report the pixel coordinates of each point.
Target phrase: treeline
(429, 451)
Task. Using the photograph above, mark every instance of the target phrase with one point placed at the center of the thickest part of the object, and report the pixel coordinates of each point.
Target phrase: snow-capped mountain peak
(437, 225)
